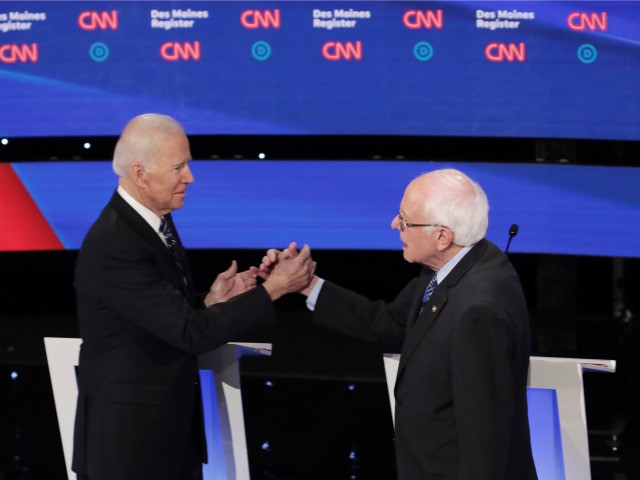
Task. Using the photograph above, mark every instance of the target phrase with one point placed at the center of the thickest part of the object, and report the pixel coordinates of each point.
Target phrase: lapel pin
(434, 309)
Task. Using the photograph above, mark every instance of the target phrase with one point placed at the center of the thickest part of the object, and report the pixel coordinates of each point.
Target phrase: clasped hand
(230, 283)
(284, 272)
(274, 258)
(287, 271)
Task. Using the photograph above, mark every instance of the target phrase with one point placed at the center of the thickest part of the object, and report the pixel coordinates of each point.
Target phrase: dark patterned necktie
(173, 245)
(433, 283)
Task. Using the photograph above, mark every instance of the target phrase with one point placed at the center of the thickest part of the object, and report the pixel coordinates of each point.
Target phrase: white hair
(140, 139)
(458, 203)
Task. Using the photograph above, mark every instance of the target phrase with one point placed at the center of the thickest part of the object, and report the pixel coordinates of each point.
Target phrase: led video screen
(534, 69)
(561, 209)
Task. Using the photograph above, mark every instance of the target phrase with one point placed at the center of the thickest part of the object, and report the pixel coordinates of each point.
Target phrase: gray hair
(460, 204)
(140, 140)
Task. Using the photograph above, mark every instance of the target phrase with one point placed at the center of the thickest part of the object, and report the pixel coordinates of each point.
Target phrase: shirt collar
(446, 269)
(151, 218)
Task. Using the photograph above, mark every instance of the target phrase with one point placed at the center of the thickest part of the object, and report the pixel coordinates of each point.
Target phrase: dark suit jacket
(461, 406)
(139, 405)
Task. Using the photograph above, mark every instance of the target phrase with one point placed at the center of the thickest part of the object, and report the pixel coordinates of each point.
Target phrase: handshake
(286, 271)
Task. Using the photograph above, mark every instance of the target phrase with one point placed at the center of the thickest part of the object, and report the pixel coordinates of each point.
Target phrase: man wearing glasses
(461, 405)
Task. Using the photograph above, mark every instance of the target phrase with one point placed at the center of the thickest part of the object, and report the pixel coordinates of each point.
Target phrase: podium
(557, 415)
(221, 395)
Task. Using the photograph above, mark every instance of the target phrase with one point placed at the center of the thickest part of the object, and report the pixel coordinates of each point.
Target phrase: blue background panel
(561, 209)
(553, 91)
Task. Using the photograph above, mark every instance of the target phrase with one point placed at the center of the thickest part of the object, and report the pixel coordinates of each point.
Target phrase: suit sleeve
(133, 285)
(355, 315)
(484, 392)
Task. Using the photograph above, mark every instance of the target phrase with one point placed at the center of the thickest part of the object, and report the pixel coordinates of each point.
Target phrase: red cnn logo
(174, 51)
(342, 51)
(416, 19)
(580, 21)
(253, 19)
(92, 20)
(11, 53)
(499, 52)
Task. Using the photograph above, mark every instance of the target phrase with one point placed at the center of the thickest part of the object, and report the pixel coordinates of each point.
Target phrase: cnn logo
(335, 51)
(417, 19)
(506, 52)
(254, 19)
(92, 20)
(175, 51)
(580, 21)
(11, 53)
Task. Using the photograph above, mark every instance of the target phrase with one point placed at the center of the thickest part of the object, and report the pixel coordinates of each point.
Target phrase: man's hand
(270, 260)
(230, 283)
(287, 271)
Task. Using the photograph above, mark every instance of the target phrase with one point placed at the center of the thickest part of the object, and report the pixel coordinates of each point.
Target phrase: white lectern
(222, 401)
(564, 376)
(224, 419)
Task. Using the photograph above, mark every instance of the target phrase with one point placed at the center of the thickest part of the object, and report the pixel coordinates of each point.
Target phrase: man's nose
(187, 176)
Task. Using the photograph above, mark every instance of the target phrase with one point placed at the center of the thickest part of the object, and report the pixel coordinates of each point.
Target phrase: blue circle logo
(423, 51)
(99, 52)
(261, 51)
(587, 53)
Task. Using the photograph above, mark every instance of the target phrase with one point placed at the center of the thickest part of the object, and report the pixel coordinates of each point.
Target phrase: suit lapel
(417, 328)
(136, 222)
(416, 302)
(148, 235)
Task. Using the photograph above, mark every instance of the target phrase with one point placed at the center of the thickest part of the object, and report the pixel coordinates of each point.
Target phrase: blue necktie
(174, 246)
(433, 283)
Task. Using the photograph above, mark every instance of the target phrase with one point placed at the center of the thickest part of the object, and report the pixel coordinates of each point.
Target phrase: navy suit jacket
(461, 405)
(139, 403)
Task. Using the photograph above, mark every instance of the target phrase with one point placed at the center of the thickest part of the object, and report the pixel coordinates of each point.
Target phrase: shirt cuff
(313, 296)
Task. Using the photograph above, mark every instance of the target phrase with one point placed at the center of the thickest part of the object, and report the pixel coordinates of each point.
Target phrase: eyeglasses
(404, 225)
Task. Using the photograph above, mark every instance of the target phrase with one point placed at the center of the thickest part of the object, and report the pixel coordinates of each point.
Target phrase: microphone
(513, 231)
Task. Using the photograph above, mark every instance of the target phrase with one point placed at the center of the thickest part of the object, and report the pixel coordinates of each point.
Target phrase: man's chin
(176, 206)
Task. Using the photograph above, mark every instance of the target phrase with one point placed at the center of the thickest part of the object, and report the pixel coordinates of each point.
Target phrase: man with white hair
(139, 413)
(461, 404)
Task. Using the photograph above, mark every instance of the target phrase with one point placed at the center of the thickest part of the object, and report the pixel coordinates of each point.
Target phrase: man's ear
(445, 238)
(138, 174)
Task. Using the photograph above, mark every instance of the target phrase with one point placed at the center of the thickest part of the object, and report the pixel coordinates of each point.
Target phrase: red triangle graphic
(22, 224)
